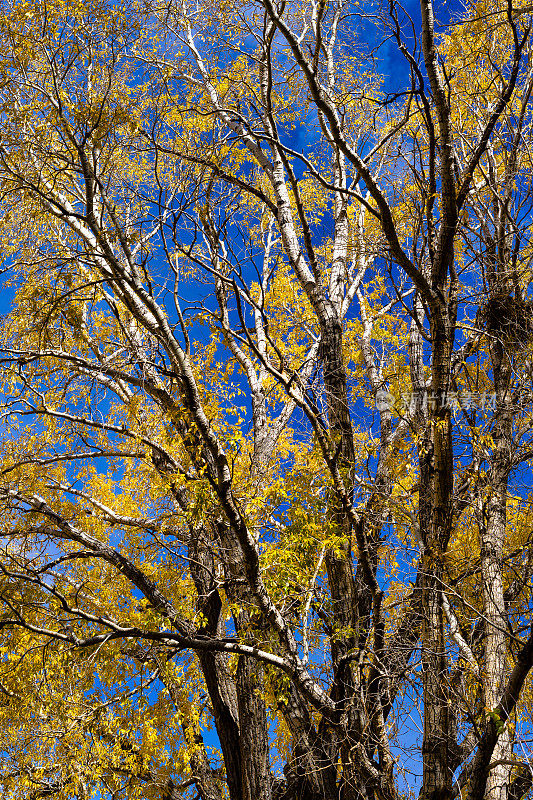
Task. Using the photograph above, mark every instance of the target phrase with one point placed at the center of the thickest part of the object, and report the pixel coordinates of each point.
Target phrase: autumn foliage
(266, 367)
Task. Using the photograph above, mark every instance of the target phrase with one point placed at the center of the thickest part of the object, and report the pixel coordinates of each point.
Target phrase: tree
(267, 428)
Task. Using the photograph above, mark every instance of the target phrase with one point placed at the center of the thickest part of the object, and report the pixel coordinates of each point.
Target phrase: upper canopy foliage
(266, 371)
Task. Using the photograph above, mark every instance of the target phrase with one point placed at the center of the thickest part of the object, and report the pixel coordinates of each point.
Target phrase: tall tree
(266, 374)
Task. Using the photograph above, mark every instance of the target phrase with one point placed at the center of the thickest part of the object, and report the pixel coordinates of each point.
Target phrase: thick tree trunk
(492, 541)
(436, 490)
(218, 679)
(254, 743)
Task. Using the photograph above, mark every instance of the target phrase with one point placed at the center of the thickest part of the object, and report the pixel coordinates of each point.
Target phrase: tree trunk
(492, 541)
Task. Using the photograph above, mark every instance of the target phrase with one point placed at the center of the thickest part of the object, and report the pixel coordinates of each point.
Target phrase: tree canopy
(266, 368)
